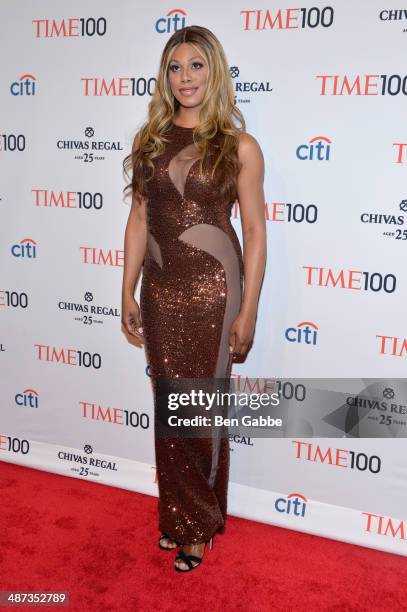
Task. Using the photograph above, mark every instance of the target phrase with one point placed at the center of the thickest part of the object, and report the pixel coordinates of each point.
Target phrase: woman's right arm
(135, 244)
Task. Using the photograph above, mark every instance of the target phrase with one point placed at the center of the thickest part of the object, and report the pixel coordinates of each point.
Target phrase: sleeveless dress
(191, 292)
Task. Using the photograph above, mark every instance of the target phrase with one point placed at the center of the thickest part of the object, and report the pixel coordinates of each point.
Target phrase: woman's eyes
(193, 64)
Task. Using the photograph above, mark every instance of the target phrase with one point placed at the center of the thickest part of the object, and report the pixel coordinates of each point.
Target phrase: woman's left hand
(241, 333)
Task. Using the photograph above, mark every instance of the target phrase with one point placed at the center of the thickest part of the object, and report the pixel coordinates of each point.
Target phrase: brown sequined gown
(190, 294)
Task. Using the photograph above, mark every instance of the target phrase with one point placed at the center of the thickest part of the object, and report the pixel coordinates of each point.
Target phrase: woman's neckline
(182, 127)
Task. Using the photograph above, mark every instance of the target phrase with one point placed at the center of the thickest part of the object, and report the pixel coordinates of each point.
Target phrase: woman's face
(188, 72)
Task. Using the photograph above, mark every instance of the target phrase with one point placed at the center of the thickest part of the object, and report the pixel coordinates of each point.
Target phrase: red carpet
(99, 544)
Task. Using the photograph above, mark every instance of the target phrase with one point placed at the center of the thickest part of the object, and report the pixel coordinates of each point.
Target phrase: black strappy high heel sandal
(192, 561)
(165, 536)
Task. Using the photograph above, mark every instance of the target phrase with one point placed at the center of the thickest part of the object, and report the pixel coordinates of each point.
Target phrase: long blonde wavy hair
(215, 136)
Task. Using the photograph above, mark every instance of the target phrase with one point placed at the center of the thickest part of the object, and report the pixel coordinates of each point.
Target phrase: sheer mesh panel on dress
(217, 243)
(154, 249)
(180, 165)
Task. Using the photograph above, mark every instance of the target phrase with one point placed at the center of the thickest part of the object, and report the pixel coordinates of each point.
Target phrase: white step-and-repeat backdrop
(323, 90)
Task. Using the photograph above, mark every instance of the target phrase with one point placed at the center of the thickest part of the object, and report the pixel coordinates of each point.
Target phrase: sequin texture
(190, 294)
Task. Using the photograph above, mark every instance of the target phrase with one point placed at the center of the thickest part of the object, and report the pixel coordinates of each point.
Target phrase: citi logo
(294, 504)
(288, 19)
(356, 280)
(25, 86)
(173, 21)
(385, 526)
(304, 333)
(26, 248)
(318, 148)
(362, 85)
(70, 27)
(28, 398)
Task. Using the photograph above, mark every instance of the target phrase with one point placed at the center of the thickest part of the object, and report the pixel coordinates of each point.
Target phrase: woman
(189, 163)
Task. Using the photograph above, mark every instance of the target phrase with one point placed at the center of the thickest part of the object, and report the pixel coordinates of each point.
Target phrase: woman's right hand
(131, 320)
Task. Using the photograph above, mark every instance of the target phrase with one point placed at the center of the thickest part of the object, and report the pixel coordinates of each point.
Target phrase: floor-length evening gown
(191, 292)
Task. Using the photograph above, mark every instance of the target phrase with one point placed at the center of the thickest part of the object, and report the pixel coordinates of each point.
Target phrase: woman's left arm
(251, 203)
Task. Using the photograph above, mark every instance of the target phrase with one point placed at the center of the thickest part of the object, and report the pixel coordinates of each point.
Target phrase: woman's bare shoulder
(248, 147)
